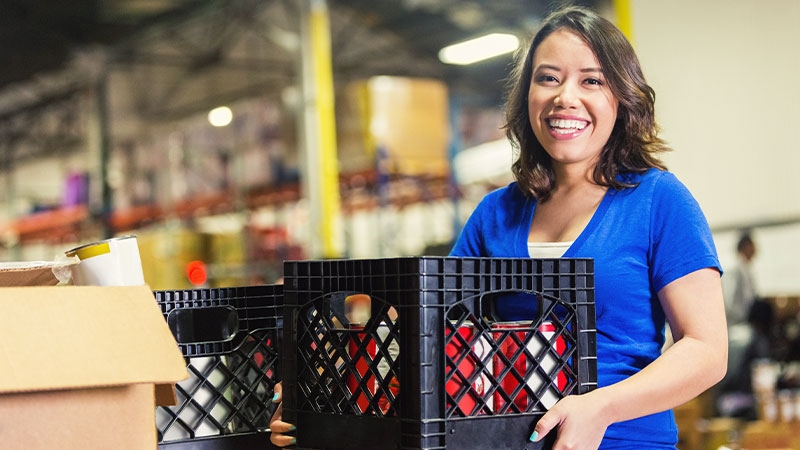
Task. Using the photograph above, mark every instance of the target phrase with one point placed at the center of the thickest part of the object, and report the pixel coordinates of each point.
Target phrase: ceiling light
(479, 49)
(220, 117)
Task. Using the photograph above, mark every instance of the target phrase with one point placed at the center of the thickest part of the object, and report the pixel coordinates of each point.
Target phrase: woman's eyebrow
(546, 67)
(557, 69)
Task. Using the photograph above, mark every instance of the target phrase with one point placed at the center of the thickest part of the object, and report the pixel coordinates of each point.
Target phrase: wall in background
(725, 75)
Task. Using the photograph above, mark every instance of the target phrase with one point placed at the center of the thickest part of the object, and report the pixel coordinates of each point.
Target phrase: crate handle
(196, 325)
(332, 308)
(487, 302)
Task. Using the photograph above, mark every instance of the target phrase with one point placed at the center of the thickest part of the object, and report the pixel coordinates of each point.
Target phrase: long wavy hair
(633, 146)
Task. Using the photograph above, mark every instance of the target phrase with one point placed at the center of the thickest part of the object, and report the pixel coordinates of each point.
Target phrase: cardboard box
(79, 367)
(36, 273)
(762, 435)
(408, 118)
(719, 432)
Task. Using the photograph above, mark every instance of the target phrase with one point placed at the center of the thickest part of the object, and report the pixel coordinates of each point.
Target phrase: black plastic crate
(231, 339)
(432, 367)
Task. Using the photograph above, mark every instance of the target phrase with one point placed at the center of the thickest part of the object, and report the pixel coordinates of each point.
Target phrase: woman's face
(571, 108)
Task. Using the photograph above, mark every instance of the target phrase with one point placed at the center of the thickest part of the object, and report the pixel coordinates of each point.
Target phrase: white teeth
(570, 124)
(563, 130)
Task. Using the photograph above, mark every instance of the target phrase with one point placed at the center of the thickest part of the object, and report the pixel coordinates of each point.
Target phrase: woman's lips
(566, 128)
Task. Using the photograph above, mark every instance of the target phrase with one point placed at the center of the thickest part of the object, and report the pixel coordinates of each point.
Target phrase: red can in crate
(358, 312)
(357, 309)
(469, 355)
(508, 345)
(385, 369)
(361, 362)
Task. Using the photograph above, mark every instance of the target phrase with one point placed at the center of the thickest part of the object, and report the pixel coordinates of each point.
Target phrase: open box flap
(36, 273)
(66, 337)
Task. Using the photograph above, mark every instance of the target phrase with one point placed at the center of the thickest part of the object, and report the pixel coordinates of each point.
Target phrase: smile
(566, 126)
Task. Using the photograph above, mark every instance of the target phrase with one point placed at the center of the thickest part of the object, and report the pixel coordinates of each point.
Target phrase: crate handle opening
(540, 305)
(213, 324)
(335, 314)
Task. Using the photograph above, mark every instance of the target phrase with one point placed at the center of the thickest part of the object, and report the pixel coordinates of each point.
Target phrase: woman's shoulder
(510, 193)
(653, 179)
(661, 189)
(500, 203)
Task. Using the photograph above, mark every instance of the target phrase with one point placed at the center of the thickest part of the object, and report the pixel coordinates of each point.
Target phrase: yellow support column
(624, 21)
(321, 175)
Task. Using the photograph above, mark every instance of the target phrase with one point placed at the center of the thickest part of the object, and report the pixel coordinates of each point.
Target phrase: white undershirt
(548, 249)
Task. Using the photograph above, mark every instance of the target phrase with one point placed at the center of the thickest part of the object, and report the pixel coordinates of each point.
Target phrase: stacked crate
(231, 339)
(431, 366)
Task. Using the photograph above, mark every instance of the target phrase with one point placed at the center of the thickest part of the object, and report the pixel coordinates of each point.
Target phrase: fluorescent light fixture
(220, 117)
(479, 49)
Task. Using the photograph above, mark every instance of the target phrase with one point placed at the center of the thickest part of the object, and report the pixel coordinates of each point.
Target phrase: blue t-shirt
(641, 239)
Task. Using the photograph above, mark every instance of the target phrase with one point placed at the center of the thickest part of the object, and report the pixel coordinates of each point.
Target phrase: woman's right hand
(278, 428)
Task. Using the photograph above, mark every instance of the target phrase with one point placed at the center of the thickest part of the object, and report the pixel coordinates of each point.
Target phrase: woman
(589, 184)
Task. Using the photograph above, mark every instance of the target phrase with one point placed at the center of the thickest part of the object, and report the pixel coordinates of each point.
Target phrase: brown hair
(634, 143)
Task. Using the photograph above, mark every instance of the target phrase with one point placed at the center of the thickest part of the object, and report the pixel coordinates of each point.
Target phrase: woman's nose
(567, 97)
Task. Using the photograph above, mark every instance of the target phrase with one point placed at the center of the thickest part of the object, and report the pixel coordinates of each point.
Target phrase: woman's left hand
(578, 420)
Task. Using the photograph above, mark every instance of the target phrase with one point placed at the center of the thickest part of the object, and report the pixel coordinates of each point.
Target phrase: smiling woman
(572, 109)
(613, 69)
(589, 181)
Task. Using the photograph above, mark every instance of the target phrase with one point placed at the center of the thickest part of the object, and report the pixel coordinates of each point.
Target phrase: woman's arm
(696, 314)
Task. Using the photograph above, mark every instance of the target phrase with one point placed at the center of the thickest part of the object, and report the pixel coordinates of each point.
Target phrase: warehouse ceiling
(40, 35)
(179, 57)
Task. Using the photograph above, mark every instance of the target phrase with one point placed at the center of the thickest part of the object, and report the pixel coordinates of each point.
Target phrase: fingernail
(534, 436)
(276, 397)
(293, 441)
(292, 427)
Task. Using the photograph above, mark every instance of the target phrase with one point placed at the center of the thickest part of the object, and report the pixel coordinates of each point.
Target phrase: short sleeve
(681, 240)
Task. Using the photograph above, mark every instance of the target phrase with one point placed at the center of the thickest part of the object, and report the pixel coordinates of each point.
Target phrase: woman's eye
(545, 78)
(594, 81)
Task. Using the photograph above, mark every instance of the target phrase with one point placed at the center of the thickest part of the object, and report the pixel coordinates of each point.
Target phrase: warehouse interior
(106, 131)
(97, 88)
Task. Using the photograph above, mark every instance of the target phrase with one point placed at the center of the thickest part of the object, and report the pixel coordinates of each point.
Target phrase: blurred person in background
(589, 183)
(739, 284)
(750, 328)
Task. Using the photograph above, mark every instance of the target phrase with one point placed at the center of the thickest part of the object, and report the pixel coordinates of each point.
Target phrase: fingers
(280, 439)
(277, 416)
(543, 426)
(574, 422)
(279, 429)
